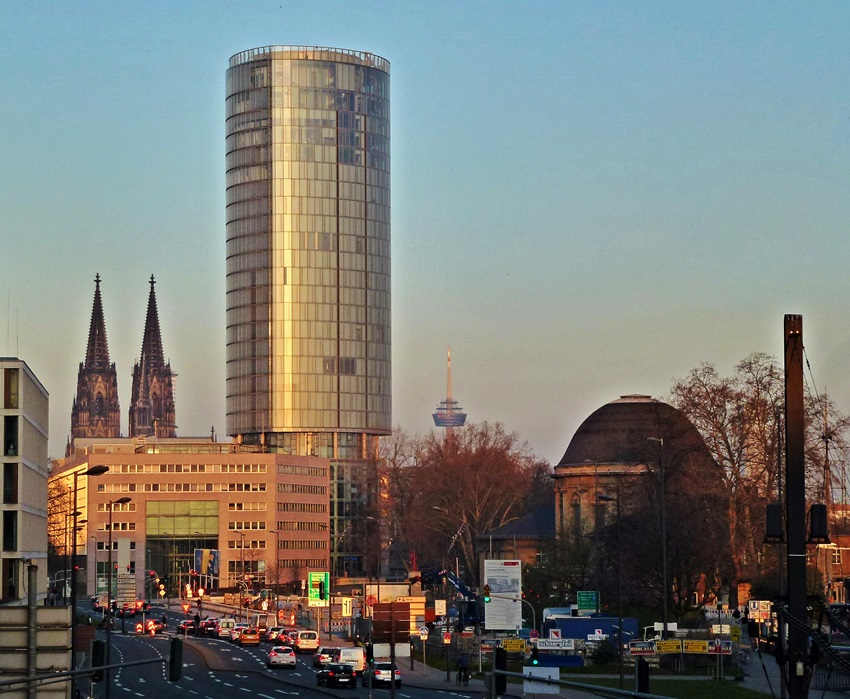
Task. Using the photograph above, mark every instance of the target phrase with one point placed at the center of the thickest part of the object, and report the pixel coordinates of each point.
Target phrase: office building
(25, 470)
(308, 267)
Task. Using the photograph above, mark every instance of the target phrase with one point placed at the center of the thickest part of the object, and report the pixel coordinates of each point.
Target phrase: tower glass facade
(308, 249)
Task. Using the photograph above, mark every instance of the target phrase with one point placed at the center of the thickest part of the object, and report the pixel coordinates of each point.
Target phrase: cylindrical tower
(308, 248)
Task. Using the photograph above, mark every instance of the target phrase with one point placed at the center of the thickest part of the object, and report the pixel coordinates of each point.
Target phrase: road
(215, 668)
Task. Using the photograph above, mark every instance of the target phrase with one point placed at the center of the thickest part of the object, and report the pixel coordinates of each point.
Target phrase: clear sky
(589, 198)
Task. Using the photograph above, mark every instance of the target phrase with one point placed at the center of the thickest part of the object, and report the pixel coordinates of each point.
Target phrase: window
(10, 531)
(10, 435)
(10, 484)
(836, 557)
(10, 389)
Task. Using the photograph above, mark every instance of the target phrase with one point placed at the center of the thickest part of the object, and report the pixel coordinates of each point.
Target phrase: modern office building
(308, 266)
(23, 530)
(265, 514)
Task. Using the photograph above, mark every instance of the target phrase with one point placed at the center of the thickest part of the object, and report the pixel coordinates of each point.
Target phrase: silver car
(381, 673)
(280, 655)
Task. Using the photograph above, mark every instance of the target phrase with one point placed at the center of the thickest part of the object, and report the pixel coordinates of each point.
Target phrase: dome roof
(620, 432)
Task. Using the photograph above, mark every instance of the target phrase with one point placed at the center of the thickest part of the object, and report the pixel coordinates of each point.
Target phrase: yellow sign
(692, 646)
(735, 633)
(514, 645)
(672, 646)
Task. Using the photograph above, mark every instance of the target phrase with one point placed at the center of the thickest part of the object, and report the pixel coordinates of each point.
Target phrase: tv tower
(449, 413)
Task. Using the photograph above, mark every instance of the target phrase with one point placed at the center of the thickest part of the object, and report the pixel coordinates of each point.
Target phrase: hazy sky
(589, 198)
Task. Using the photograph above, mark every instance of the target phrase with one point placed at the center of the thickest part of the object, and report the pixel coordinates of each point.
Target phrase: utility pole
(797, 666)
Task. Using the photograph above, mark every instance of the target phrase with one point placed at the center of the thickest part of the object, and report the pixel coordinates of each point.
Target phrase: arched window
(99, 407)
(576, 506)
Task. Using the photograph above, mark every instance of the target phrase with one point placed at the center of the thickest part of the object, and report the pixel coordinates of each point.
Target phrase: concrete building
(266, 514)
(23, 530)
(308, 267)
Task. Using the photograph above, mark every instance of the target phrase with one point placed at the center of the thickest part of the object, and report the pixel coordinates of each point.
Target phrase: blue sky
(589, 199)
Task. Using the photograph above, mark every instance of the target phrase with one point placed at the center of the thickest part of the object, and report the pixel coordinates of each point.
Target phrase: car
(155, 624)
(289, 636)
(354, 656)
(188, 627)
(208, 627)
(271, 633)
(236, 632)
(249, 637)
(323, 656)
(280, 655)
(380, 673)
(224, 627)
(306, 641)
(336, 675)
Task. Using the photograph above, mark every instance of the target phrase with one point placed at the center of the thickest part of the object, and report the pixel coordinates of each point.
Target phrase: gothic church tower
(96, 412)
(152, 402)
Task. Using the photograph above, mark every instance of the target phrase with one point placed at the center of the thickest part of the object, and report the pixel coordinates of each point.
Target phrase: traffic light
(321, 589)
(486, 593)
(535, 659)
(152, 573)
(370, 653)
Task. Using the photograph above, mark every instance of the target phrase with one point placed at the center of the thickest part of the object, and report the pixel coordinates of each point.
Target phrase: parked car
(306, 641)
(336, 675)
(280, 655)
(236, 632)
(381, 673)
(323, 656)
(249, 637)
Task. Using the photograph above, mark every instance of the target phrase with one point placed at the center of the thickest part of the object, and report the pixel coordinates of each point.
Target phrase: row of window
(286, 544)
(301, 507)
(291, 526)
(246, 506)
(302, 489)
(246, 525)
(246, 544)
(188, 468)
(181, 488)
(117, 526)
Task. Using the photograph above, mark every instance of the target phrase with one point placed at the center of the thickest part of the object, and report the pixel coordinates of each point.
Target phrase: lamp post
(663, 503)
(602, 497)
(276, 533)
(93, 471)
(111, 504)
(242, 570)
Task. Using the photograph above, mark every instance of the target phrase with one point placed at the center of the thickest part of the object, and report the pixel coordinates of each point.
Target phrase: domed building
(642, 461)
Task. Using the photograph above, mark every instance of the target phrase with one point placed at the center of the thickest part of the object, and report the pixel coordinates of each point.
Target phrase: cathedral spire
(97, 352)
(151, 356)
(95, 411)
(152, 402)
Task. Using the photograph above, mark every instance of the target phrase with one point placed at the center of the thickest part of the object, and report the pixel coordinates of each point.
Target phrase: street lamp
(276, 533)
(602, 497)
(111, 504)
(93, 471)
(664, 583)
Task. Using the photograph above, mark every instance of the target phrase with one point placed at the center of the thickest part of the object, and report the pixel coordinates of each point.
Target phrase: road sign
(669, 646)
(371, 600)
(586, 600)
(556, 644)
(514, 645)
(318, 581)
(536, 634)
(447, 638)
(423, 633)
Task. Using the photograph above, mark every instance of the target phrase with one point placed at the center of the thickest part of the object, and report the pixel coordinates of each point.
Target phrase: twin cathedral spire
(96, 411)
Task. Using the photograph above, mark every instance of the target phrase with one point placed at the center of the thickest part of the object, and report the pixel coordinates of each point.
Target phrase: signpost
(586, 600)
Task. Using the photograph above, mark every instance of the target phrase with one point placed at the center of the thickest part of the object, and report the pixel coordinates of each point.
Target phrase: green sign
(318, 589)
(586, 600)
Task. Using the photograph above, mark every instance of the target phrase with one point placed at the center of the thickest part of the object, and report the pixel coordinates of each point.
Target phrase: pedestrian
(164, 620)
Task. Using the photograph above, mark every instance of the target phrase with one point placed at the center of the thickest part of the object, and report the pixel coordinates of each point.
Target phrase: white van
(356, 657)
(224, 627)
(306, 641)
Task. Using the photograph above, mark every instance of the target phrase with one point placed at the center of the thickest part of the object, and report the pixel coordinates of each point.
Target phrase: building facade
(265, 514)
(23, 531)
(308, 265)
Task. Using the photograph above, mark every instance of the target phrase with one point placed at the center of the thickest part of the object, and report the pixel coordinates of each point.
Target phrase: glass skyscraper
(308, 257)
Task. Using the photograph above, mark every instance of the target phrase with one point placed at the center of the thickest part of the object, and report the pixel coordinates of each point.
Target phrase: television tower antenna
(449, 413)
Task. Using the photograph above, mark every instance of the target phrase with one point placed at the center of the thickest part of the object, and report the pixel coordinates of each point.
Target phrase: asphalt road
(214, 668)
